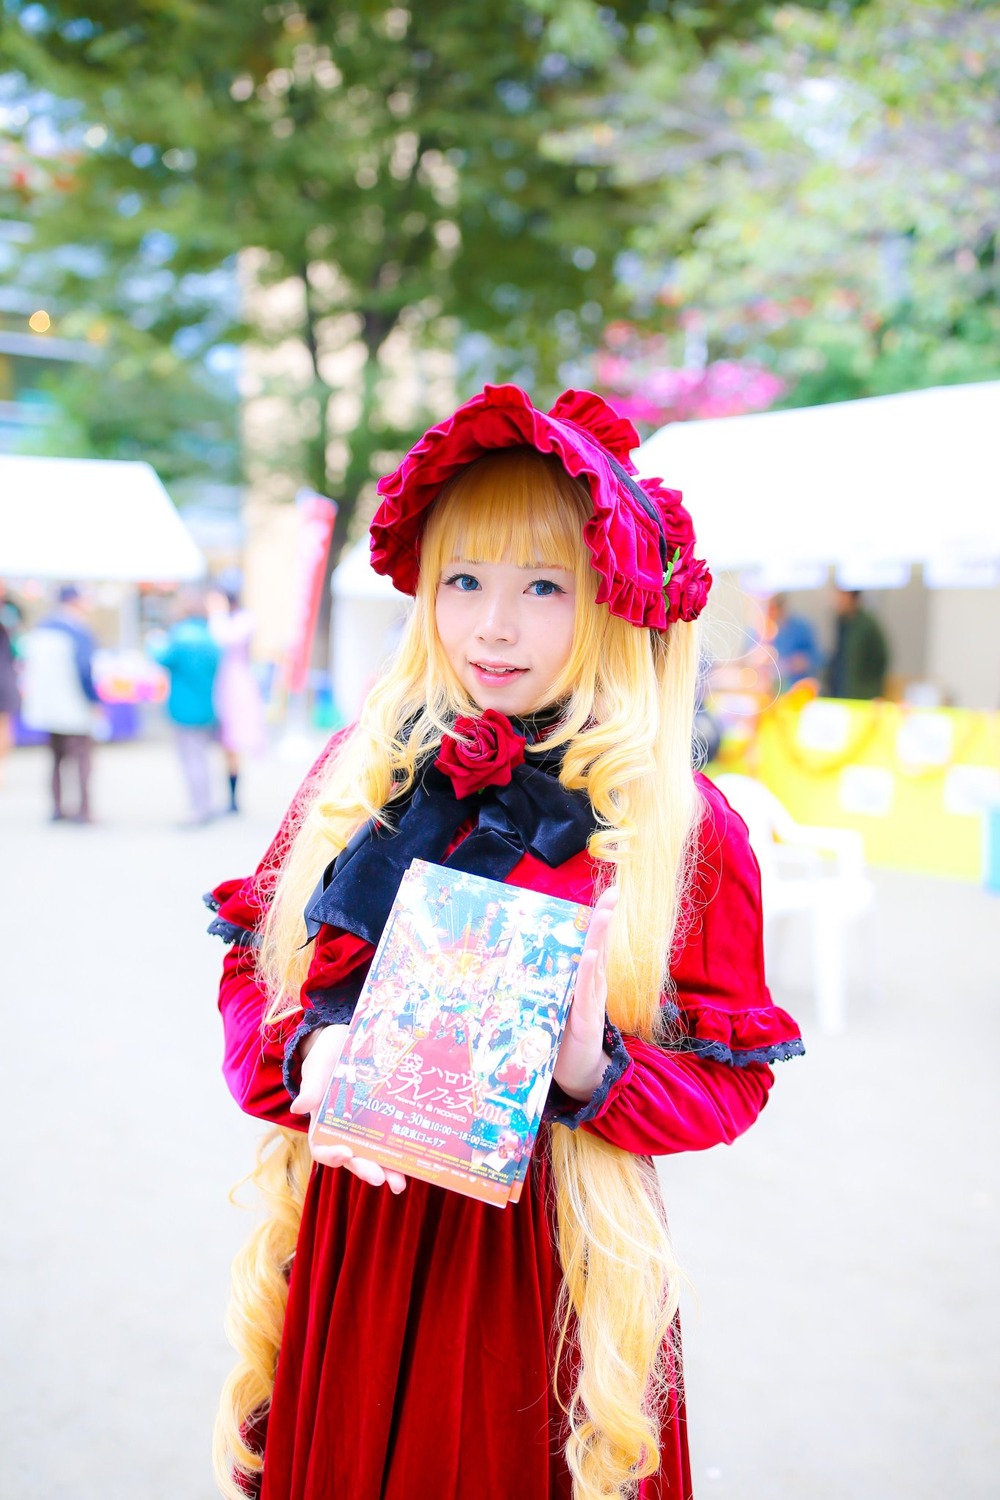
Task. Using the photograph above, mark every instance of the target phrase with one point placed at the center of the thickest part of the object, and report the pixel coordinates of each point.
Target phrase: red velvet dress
(417, 1352)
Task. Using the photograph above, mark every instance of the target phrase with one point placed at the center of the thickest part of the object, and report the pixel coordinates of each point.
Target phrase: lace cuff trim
(738, 1057)
(760, 1034)
(229, 932)
(333, 1007)
(560, 1109)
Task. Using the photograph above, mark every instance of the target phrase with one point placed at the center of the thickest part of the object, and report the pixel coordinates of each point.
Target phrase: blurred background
(247, 255)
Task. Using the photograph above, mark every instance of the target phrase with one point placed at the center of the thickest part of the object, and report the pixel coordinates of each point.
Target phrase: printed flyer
(449, 1056)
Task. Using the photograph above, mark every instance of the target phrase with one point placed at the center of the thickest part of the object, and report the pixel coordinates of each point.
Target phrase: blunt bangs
(515, 505)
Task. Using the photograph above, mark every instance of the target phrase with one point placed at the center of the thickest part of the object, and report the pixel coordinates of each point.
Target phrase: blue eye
(543, 587)
(464, 582)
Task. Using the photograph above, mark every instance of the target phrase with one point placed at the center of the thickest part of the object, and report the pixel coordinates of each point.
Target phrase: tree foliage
(395, 174)
(836, 207)
(407, 181)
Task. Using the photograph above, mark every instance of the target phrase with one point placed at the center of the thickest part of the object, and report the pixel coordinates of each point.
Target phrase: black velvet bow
(535, 814)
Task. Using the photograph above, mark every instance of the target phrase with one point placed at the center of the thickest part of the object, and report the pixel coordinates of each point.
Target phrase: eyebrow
(532, 567)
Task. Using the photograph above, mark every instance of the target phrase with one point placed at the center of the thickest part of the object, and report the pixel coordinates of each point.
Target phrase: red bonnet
(639, 535)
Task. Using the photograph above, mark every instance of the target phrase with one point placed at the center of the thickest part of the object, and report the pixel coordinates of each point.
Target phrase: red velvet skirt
(416, 1357)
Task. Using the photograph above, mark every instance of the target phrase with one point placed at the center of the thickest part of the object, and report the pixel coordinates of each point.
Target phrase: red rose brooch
(486, 754)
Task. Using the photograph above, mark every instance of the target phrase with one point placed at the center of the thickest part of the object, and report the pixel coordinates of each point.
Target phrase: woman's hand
(321, 1051)
(582, 1059)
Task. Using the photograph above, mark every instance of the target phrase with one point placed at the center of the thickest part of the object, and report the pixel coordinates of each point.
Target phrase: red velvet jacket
(707, 1086)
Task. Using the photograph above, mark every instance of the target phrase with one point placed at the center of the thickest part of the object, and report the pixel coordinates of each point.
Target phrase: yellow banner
(918, 783)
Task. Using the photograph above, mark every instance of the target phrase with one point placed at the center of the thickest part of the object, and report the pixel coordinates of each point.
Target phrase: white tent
(867, 485)
(355, 578)
(91, 520)
(365, 621)
(869, 488)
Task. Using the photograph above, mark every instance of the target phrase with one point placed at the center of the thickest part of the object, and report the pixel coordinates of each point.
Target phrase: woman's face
(533, 1050)
(506, 630)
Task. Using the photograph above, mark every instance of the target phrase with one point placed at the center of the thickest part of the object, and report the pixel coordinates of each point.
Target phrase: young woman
(398, 1340)
(239, 708)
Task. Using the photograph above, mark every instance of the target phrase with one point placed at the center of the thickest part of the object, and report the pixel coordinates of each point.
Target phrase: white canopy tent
(870, 487)
(365, 620)
(91, 520)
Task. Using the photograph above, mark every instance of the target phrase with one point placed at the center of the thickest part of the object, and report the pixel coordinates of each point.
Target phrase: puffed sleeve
(260, 1064)
(254, 1057)
(708, 1082)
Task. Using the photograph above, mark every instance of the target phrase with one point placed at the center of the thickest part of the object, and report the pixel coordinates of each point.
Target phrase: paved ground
(842, 1327)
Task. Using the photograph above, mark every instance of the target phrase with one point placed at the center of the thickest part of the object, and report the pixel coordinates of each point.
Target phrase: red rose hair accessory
(639, 535)
(486, 755)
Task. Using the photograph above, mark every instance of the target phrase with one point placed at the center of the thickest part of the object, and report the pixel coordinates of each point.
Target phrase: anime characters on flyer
(511, 1100)
(514, 1077)
(499, 1022)
(375, 1051)
(449, 1024)
(534, 726)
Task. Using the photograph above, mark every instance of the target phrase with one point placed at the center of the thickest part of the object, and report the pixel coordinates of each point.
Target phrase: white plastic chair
(819, 871)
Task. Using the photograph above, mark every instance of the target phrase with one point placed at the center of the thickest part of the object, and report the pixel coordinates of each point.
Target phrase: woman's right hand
(320, 1054)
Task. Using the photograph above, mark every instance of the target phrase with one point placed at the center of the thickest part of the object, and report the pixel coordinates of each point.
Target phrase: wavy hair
(628, 696)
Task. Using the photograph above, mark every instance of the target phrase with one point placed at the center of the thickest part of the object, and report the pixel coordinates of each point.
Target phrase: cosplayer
(398, 1340)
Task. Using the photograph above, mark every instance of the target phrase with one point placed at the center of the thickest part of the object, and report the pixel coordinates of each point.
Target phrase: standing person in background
(191, 656)
(792, 639)
(10, 698)
(238, 705)
(59, 697)
(860, 657)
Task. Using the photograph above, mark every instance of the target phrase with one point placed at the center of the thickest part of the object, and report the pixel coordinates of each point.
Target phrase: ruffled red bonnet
(639, 535)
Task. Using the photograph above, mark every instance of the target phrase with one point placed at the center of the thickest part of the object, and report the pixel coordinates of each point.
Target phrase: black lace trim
(332, 1007)
(560, 1109)
(229, 932)
(737, 1057)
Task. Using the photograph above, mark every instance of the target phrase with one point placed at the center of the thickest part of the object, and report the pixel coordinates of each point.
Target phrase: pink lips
(496, 671)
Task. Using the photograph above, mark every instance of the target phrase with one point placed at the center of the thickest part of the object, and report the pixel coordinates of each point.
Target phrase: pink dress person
(238, 704)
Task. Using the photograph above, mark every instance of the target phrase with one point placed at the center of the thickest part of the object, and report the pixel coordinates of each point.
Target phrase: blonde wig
(628, 694)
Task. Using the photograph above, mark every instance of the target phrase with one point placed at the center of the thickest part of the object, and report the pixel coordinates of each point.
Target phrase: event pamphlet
(449, 1055)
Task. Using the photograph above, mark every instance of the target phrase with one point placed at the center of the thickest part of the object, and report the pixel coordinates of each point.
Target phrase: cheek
(451, 621)
(445, 620)
(560, 638)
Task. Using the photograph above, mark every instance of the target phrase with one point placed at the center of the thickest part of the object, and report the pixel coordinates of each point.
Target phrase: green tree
(432, 179)
(147, 405)
(379, 166)
(835, 203)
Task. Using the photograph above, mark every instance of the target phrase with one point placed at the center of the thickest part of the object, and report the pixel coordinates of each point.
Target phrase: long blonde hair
(628, 696)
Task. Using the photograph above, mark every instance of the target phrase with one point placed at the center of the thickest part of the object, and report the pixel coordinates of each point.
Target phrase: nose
(495, 621)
